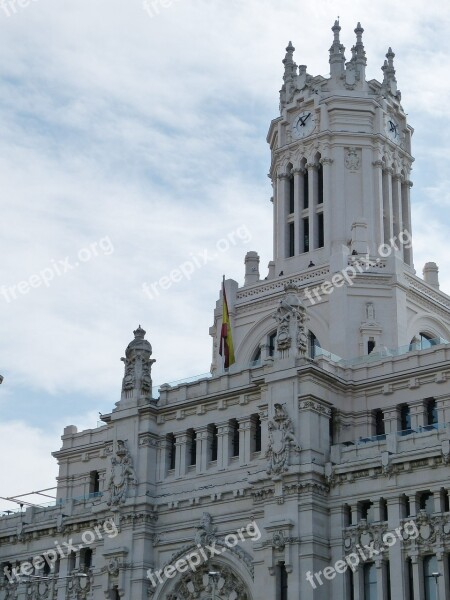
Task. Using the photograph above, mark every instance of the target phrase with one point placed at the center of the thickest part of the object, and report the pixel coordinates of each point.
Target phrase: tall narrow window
(319, 184)
(257, 433)
(370, 345)
(282, 582)
(306, 189)
(291, 195)
(306, 234)
(71, 561)
(379, 422)
(405, 420)
(172, 450)
(192, 447)
(272, 339)
(213, 442)
(234, 437)
(430, 567)
(370, 582)
(432, 415)
(426, 502)
(291, 232)
(313, 344)
(410, 579)
(387, 566)
(94, 482)
(320, 231)
(86, 558)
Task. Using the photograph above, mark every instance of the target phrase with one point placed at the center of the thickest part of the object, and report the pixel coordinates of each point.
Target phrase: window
(320, 232)
(405, 505)
(320, 184)
(366, 510)
(94, 483)
(306, 234)
(71, 561)
(370, 582)
(383, 510)
(405, 420)
(291, 195)
(86, 558)
(171, 450)
(192, 447)
(291, 233)
(430, 567)
(257, 433)
(379, 422)
(213, 450)
(313, 344)
(387, 566)
(410, 579)
(432, 414)
(272, 340)
(370, 345)
(115, 593)
(305, 189)
(347, 515)
(282, 582)
(234, 437)
(426, 502)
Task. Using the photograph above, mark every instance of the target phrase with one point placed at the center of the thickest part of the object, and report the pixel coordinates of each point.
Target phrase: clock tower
(340, 170)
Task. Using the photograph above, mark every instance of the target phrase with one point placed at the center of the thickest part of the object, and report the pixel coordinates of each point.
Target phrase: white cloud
(151, 131)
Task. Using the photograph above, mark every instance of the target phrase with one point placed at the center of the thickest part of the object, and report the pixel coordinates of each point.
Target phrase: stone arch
(233, 582)
(429, 325)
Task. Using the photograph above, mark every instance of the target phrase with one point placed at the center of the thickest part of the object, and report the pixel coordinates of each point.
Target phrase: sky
(132, 140)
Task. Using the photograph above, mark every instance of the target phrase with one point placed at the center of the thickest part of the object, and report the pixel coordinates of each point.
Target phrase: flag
(226, 348)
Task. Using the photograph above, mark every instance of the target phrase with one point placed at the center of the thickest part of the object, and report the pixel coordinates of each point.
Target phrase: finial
(336, 29)
(359, 31)
(139, 332)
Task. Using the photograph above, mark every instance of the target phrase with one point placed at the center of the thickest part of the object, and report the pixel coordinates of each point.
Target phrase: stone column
(438, 501)
(327, 199)
(378, 206)
(202, 449)
(417, 412)
(381, 578)
(358, 583)
(181, 446)
(397, 566)
(224, 431)
(406, 211)
(443, 409)
(162, 459)
(282, 211)
(417, 568)
(443, 581)
(245, 440)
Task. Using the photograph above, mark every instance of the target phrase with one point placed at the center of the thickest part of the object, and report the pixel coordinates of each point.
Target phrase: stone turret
(137, 380)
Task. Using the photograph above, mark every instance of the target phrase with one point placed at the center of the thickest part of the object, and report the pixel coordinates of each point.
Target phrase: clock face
(393, 130)
(303, 124)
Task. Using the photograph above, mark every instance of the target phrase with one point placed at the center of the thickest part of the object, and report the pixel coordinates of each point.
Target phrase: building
(316, 466)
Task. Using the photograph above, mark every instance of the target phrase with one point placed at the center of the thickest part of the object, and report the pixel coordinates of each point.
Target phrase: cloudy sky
(132, 139)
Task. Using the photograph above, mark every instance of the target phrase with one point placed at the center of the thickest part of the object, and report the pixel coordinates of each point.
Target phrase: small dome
(139, 342)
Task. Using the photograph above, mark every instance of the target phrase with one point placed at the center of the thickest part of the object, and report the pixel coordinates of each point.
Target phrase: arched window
(422, 341)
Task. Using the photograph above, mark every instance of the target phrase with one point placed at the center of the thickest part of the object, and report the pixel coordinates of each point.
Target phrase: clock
(393, 130)
(303, 124)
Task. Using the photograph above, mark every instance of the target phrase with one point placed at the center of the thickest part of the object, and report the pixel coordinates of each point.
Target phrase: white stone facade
(331, 429)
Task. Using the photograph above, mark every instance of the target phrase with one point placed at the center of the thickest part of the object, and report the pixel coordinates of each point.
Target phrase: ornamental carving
(206, 532)
(199, 584)
(281, 441)
(78, 588)
(292, 338)
(122, 476)
(352, 160)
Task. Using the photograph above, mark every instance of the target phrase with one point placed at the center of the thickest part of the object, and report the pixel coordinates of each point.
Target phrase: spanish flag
(226, 348)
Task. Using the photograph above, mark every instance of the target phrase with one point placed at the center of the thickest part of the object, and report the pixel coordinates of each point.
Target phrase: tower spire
(337, 57)
(389, 79)
(289, 77)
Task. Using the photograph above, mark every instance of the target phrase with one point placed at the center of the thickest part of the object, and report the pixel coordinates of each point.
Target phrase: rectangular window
(321, 233)
(320, 185)
(192, 448)
(234, 438)
(291, 195)
(405, 420)
(282, 582)
(172, 451)
(291, 239)
(94, 482)
(430, 567)
(370, 582)
(213, 443)
(306, 234)
(257, 433)
(305, 190)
